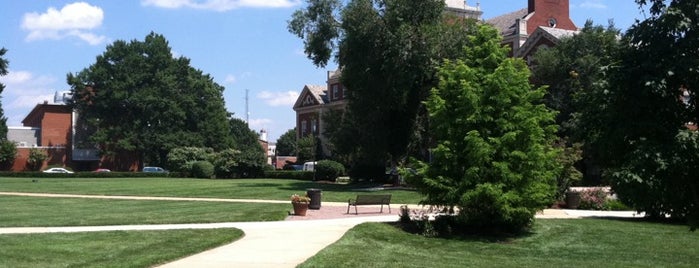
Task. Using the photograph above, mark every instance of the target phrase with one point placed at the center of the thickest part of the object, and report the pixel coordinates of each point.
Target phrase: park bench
(365, 199)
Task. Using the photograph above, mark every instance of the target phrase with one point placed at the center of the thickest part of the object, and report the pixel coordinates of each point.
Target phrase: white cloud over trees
(78, 20)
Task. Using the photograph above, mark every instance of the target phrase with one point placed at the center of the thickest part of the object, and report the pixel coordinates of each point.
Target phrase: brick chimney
(550, 13)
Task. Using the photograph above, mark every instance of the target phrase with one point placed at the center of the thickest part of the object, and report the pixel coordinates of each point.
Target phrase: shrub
(8, 153)
(328, 170)
(593, 199)
(36, 159)
(203, 169)
(181, 159)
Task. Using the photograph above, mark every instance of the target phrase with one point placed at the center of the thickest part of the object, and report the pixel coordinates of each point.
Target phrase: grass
(19, 211)
(275, 189)
(553, 243)
(109, 249)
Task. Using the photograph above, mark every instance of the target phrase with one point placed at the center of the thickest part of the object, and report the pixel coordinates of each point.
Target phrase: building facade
(541, 24)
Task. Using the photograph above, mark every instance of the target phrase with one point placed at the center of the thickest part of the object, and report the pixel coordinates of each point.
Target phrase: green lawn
(22, 211)
(275, 189)
(553, 243)
(109, 249)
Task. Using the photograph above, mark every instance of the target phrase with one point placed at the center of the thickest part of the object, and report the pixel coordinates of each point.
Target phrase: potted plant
(300, 204)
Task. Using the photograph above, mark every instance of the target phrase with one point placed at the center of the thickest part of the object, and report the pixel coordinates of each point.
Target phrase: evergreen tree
(3, 71)
(494, 158)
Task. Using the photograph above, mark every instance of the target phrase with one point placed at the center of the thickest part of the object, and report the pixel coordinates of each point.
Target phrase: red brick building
(47, 127)
(541, 24)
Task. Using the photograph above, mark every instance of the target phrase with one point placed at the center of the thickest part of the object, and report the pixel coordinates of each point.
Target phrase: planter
(573, 199)
(300, 208)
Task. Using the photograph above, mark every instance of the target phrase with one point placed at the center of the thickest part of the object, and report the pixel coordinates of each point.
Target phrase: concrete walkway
(265, 244)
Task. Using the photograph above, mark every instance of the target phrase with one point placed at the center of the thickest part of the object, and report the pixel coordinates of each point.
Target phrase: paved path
(269, 244)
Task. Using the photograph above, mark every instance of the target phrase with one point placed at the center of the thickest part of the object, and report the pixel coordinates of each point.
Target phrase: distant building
(542, 24)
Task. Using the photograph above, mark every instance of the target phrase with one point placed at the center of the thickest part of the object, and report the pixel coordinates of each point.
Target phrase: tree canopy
(3, 71)
(286, 144)
(493, 157)
(388, 51)
(138, 98)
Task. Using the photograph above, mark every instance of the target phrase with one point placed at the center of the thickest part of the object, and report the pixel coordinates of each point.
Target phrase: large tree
(574, 70)
(388, 51)
(138, 99)
(641, 123)
(286, 144)
(3, 71)
(494, 158)
(8, 149)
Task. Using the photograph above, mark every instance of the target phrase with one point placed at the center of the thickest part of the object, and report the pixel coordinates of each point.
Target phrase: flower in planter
(300, 199)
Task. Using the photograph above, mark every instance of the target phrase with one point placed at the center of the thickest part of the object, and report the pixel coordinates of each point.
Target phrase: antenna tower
(247, 107)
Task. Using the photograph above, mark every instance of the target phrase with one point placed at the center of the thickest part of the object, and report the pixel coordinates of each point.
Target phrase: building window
(336, 91)
(304, 128)
(344, 92)
(314, 127)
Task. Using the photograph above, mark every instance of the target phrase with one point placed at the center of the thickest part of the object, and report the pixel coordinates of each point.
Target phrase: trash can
(314, 194)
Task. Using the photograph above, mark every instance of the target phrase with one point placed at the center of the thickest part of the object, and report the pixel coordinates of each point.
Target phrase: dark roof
(506, 24)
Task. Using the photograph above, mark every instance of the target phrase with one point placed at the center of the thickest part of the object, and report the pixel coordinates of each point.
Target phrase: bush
(8, 153)
(593, 199)
(181, 159)
(36, 159)
(203, 169)
(328, 170)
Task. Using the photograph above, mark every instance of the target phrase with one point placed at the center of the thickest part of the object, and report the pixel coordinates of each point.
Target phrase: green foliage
(8, 153)
(202, 169)
(305, 149)
(138, 98)
(493, 157)
(569, 174)
(317, 26)
(3, 71)
(36, 159)
(401, 42)
(232, 163)
(328, 170)
(181, 159)
(286, 144)
(638, 122)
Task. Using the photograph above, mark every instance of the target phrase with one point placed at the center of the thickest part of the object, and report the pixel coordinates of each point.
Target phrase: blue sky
(242, 44)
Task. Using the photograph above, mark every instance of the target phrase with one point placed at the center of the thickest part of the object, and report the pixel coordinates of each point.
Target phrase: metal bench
(361, 200)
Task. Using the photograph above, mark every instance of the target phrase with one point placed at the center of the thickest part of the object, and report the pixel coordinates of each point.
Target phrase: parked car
(154, 169)
(102, 170)
(309, 166)
(57, 170)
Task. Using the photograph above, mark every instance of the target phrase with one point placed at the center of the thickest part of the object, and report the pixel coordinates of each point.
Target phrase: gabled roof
(315, 92)
(506, 23)
(553, 35)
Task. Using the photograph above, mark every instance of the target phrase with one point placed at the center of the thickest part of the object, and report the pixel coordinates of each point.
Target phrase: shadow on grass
(656, 220)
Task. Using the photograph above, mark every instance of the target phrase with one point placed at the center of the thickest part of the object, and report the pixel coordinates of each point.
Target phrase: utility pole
(247, 107)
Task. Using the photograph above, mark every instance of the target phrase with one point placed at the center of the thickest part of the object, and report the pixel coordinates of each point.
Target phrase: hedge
(87, 174)
(289, 174)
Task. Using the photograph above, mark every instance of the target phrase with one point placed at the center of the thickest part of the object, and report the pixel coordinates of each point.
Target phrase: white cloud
(77, 19)
(287, 98)
(593, 4)
(259, 123)
(23, 91)
(220, 5)
(230, 79)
